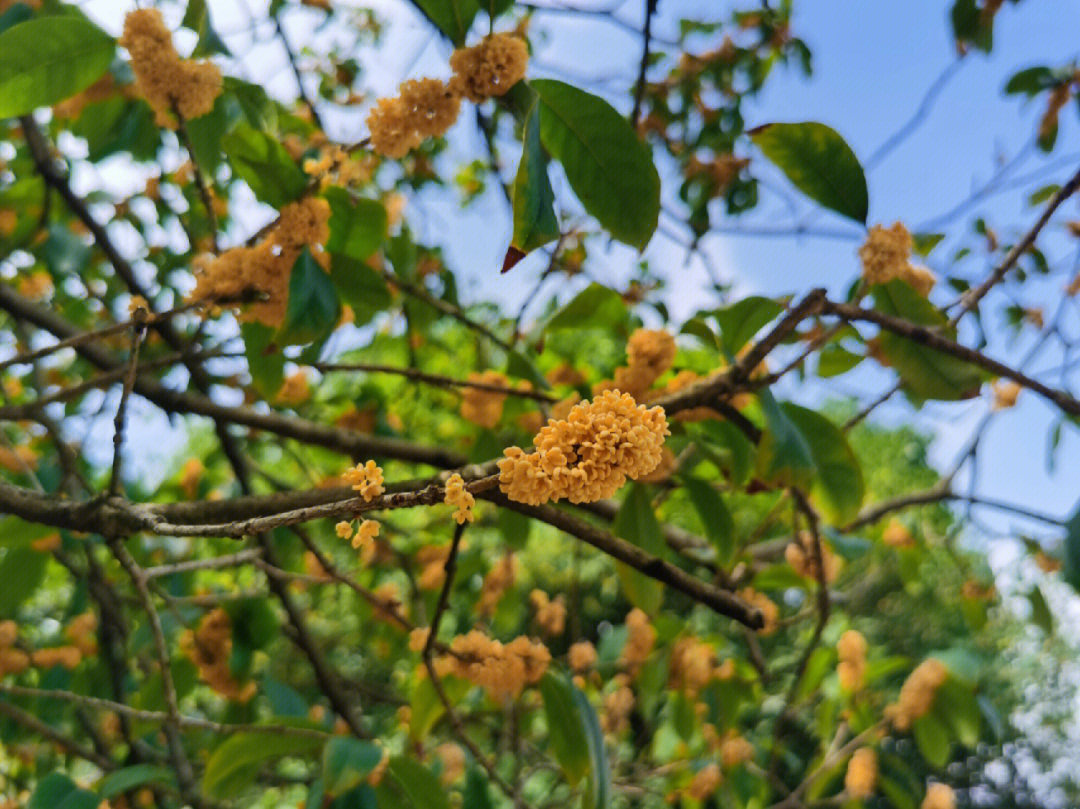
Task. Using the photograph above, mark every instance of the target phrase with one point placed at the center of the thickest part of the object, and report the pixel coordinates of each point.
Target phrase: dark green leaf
(347, 762)
(21, 571)
(1040, 611)
(1030, 81)
(932, 739)
(926, 373)
(265, 361)
(262, 162)
(357, 229)
(313, 309)
(535, 223)
(744, 319)
(566, 733)
(595, 306)
(609, 168)
(363, 289)
(48, 59)
(636, 522)
(837, 487)
(120, 781)
(51, 791)
(1070, 568)
(714, 514)
(834, 360)
(416, 786)
(924, 243)
(819, 163)
(784, 454)
(197, 18)
(233, 765)
(452, 17)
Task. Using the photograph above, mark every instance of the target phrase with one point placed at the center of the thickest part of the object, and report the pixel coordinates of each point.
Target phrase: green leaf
(932, 739)
(262, 162)
(1030, 81)
(80, 799)
(926, 373)
(956, 706)
(48, 59)
(576, 740)
(725, 445)
(357, 228)
(1040, 611)
(744, 319)
(265, 361)
(51, 791)
(837, 488)
(452, 17)
(313, 309)
(595, 306)
(197, 18)
(819, 163)
(535, 223)
(834, 360)
(476, 794)
(16, 13)
(784, 455)
(566, 734)
(363, 289)
(233, 765)
(21, 571)
(347, 762)
(636, 522)
(416, 787)
(609, 168)
(924, 243)
(1070, 567)
(714, 514)
(120, 781)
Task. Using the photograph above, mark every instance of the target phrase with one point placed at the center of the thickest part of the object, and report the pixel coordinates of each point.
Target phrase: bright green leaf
(48, 59)
(357, 228)
(21, 571)
(819, 163)
(452, 17)
(347, 762)
(535, 223)
(837, 487)
(609, 168)
(743, 319)
(595, 306)
(233, 765)
(636, 522)
(262, 162)
(715, 516)
(120, 781)
(313, 309)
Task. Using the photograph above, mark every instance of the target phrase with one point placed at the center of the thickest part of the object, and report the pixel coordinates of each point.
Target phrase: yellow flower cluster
(367, 479)
(453, 761)
(497, 581)
(484, 407)
(295, 390)
(364, 538)
(704, 783)
(862, 771)
(804, 562)
(334, 166)
(502, 670)
(939, 796)
(490, 68)
(1005, 394)
(550, 614)
(589, 455)
(770, 612)
(649, 352)
(461, 498)
(209, 647)
(692, 665)
(266, 267)
(581, 656)
(917, 693)
(885, 255)
(80, 633)
(896, 535)
(67, 656)
(640, 639)
(165, 80)
(735, 750)
(617, 705)
(12, 659)
(432, 561)
(423, 108)
(851, 670)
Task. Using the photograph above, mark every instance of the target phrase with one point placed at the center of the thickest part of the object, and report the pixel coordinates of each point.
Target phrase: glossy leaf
(636, 522)
(313, 308)
(347, 762)
(21, 570)
(744, 319)
(926, 373)
(535, 223)
(233, 765)
(819, 163)
(595, 306)
(413, 786)
(48, 59)
(715, 516)
(837, 487)
(357, 228)
(452, 17)
(262, 162)
(784, 454)
(120, 781)
(577, 741)
(609, 168)
(266, 363)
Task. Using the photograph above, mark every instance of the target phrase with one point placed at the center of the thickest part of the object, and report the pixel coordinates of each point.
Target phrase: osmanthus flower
(851, 670)
(167, 82)
(423, 108)
(649, 352)
(589, 455)
(490, 68)
(640, 640)
(769, 610)
(367, 479)
(480, 406)
(502, 670)
(581, 656)
(461, 498)
(917, 693)
(266, 267)
(804, 561)
(209, 647)
(939, 796)
(497, 581)
(550, 612)
(862, 772)
(885, 256)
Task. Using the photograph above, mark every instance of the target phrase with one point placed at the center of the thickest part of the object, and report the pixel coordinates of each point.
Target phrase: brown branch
(434, 379)
(35, 725)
